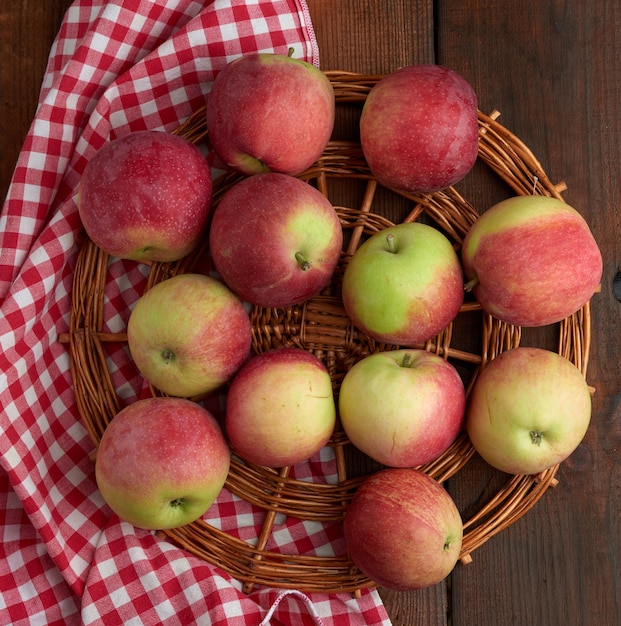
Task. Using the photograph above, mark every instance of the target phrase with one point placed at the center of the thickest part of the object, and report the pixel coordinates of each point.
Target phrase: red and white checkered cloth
(115, 67)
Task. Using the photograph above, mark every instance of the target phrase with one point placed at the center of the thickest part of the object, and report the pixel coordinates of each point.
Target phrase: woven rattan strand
(321, 326)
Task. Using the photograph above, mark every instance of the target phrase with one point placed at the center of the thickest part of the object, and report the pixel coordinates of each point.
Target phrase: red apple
(275, 240)
(419, 130)
(404, 284)
(270, 112)
(162, 462)
(189, 334)
(280, 408)
(403, 530)
(528, 410)
(403, 408)
(146, 197)
(531, 260)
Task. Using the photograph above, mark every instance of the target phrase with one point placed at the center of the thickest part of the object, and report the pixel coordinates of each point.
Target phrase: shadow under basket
(321, 326)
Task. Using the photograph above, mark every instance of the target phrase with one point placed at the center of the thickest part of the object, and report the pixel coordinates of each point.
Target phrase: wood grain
(28, 29)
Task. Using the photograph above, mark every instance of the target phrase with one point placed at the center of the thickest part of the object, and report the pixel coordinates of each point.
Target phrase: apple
(531, 261)
(161, 462)
(419, 129)
(403, 530)
(528, 410)
(280, 408)
(403, 408)
(404, 284)
(275, 240)
(146, 197)
(270, 112)
(189, 334)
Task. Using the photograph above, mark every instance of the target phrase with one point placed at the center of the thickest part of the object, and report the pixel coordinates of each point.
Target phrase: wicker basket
(321, 326)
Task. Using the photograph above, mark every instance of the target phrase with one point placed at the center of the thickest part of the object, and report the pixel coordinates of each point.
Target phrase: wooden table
(551, 68)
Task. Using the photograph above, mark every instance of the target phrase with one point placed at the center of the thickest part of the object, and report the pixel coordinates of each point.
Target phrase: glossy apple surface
(189, 334)
(404, 284)
(403, 408)
(275, 240)
(529, 410)
(162, 462)
(419, 128)
(270, 112)
(531, 261)
(146, 197)
(403, 530)
(280, 408)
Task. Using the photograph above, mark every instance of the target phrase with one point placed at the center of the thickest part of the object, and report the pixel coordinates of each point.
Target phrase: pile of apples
(275, 241)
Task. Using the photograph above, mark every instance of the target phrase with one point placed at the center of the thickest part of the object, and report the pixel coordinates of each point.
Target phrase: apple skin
(259, 228)
(189, 334)
(403, 530)
(280, 408)
(270, 112)
(162, 462)
(528, 410)
(419, 129)
(146, 197)
(531, 261)
(405, 292)
(403, 408)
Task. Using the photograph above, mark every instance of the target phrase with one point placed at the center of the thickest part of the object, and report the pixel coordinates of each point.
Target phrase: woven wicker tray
(321, 326)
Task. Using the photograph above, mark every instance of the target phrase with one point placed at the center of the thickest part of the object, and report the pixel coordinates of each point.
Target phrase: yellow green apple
(404, 284)
(528, 410)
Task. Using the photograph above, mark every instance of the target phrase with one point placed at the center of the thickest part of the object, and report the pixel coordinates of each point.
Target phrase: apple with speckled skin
(403, 408)
(146, 197)
(403, 530)
(419, 130)
(189, 334)
(531, 260)
(280, 408)
(162, 462)
(404, 284)
(275, 240)
(270, 112)
(528, 410)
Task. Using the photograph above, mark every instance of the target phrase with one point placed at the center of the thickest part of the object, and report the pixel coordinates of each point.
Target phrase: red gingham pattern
(115, 67)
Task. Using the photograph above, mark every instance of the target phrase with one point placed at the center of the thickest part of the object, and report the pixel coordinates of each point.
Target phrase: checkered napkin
(119, 66)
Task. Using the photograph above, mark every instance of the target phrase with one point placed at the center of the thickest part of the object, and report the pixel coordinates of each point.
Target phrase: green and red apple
(280, 408)
(275, 240)
(189, 334)
(419, 129)
(162, 462)
(146, 197)
(403, 408)
(270, 112)
(528, 410)
(531, 261)
(403, 530)
(404, 284)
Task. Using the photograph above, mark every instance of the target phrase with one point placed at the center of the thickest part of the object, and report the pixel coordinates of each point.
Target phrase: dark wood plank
(551, 69)
(28, 29)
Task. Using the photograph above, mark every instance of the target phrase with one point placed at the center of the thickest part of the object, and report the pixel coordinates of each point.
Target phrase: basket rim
(514, 163)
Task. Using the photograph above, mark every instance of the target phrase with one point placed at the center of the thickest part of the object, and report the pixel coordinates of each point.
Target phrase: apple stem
(471, 284)
(536, 437)
(290, 52)
(407, 360)
(303, 262)
(168, 355)
(390, 241)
